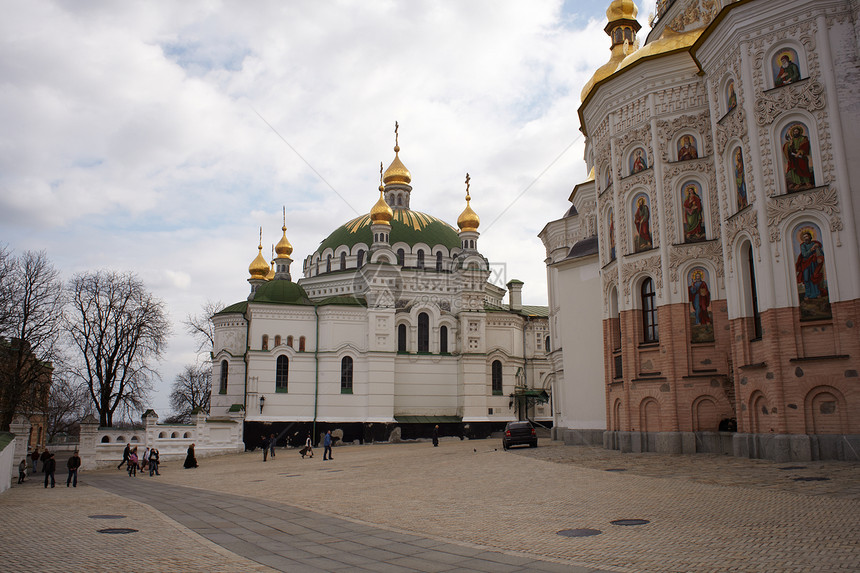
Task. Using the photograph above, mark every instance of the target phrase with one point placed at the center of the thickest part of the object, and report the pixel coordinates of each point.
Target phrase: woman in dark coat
(190, 460)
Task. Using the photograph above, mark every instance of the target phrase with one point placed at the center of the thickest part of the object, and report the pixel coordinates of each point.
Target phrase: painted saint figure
(732, 101)
(810, 266)
(694, 216)
(640, 163)
(611, 235)
(687, 150)
(788, 72)
(740, 180)
(700, 298)
(798, 164)
(642, 221)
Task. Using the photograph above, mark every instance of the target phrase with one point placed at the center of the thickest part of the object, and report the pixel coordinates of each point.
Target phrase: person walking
(327, 446)
(44, 457)
(131, 464)
(73, 464)
(153, 462)
(265, 448)
(125, 453)
(308, 450)
(272, 441)
(49, 467)
(22, 470)
(436, 436)
(144, 460)
(190, 460)
(34, 457)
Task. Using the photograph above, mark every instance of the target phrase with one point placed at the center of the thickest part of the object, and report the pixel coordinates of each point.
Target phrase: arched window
(399, 201)
(423, 332)
(547, 344)
(343, 261)
(328, 264)
(346, 375)
(401, 338)
(301, 343)
(439, 261)
(265, 342)
(277, 340)
(401, 257)
(753, 295)
(649, 312)
(420, 259)
(222, 388)
(360, 259)
(497, 377)
(290, 341)
(282, 373)
(318, 267)
(443, 340)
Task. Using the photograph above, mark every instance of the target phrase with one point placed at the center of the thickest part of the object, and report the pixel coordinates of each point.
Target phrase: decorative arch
(729, 94)
(706, 414)
(637, 160)
(760, 414)
(687, 146)
(496, 377)
(616, 415)
(825, 411)
(105, 439)
(787, 65)
(649, 415)
(346, 374)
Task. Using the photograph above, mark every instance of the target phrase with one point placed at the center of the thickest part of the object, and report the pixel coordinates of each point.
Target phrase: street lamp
(262, 403)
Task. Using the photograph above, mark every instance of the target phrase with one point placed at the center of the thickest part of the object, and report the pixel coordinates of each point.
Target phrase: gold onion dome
(622, 10)
(397, 172)
(284, 249)
(259, 268)
(381, 212)
(468, 221)
(619, 10)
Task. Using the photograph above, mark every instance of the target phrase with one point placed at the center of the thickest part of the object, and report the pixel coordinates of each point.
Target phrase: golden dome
(284, 249)
(604, 71)
(468, 221)
(259, 268)
(271, 275)
(669, 41)
(621, 10)
(397, 172)
(590, 175)
(381, 213)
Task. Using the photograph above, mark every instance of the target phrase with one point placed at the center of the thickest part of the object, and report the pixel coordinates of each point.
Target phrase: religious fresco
(611, 217)
(638, 160)
(701, 317)
(785, 68)
(694, 213)
(731, 97)
(740, 178)
(797, 162)
(687, 148)
(609, 178)
(811, 276)
(642, 239)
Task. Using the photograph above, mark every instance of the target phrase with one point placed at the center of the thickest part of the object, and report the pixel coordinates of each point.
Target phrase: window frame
(650, 326)
(347, 369)
(282, 374)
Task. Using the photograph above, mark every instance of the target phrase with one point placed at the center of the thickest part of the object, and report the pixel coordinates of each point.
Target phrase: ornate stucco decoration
(667, 129)
(610, 279)
(734, 124)
(746, 220)
(769, 106)
(679, 254)
(779, 207)
(651, 265)
(697, 15)
(623, 143)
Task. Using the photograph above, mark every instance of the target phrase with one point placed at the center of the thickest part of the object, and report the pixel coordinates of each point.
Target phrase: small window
(439, 261)
(186, 435)
(401, 257)
(546, 346)
(160, 434)
(360, 259)
(649, 312)
(343, 261)
(423, 332)
(277, 340)
(282, 373)
(420, 259)
(401, 338)
(346, 375)
(497, 377)
(328, 264)
(301, 344)
(265, 342)
(290, 341)
(443, 340)
(105, 439)
(222, 388)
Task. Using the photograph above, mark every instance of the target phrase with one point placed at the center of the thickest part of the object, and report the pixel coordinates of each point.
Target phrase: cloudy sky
(158, 137)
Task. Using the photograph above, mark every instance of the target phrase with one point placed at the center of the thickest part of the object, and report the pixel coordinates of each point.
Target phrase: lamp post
(262, 403)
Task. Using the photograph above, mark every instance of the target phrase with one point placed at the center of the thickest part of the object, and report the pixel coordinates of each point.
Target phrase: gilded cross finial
(396, 137)
(285, 218)
(380, 173)
(261, 239)
(467, 187)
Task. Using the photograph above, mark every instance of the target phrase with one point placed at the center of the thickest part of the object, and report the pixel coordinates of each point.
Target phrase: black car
(519, 434)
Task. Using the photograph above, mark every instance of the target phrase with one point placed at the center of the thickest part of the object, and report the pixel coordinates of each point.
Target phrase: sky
(158, 137)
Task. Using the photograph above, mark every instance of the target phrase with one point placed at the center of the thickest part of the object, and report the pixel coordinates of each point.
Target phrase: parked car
(519, 434)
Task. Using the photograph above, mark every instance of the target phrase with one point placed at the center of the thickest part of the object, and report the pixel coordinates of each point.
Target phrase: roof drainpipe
(316, 372)
(245, 359)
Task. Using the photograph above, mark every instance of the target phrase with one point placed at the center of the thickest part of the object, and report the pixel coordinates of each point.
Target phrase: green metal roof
(428, 419)
(281, 292)
(410, 227)
(239, 307)
(527, 310)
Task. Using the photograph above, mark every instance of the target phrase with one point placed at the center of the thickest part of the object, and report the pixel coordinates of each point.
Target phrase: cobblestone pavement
(705, 513)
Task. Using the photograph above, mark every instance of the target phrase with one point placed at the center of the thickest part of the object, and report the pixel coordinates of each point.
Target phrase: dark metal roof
(583, 248)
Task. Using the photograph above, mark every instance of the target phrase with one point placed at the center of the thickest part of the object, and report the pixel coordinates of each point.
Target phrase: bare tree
(67, 404)
(191, 391)
(118, 329)
(200, 326)
(33, 306)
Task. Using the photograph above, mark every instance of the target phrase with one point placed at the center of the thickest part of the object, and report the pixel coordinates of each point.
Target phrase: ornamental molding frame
(697, 15)
(667, 129)
(646, 179)
(689, 97)
(808, 95)
(649, 264)
(824, 200)
(671, 203)
(610, 279)
(734, 124)
(626, 141)
(746, 220)
(711, 251)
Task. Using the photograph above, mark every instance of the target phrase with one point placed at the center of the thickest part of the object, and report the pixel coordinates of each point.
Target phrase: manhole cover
(629, 522)
(793, 468)
(812, 479)
(107, 517)
(579, 532)
(616, 470)
(118, 530)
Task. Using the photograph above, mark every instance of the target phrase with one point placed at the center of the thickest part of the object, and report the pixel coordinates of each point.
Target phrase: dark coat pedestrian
(49, 467)
(265, 448)
(46, 455)
(436, 436)
(125, 453)
(153, 462)
(272, 441)
(34, 457)
(327, 446)
(73, 464)
(22, 470)
(190, 460)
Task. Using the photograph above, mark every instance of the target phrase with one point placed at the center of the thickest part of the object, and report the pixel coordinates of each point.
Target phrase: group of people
(268, 445)
(49, 467)
(132, 462)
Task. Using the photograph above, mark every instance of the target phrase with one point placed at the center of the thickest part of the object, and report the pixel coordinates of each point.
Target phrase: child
(22, 470)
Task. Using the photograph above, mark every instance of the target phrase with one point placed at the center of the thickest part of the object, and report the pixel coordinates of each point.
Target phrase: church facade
(716, 234)
(393, 324)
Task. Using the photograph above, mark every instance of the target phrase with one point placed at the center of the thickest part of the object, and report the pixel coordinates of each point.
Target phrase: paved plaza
(466, 505)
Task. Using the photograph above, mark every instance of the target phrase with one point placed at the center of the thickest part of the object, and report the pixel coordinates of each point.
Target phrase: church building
(393, 324)
(715, 243)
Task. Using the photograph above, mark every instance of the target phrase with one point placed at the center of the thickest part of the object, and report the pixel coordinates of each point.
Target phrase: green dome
(281, 292)
(410, 227)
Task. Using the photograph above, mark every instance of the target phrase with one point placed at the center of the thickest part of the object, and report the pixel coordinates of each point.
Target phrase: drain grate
(118, 530)
(812, 479)
(106, 517)
(579, 532)
(616, 470)
(629, 522)
(793, 468)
